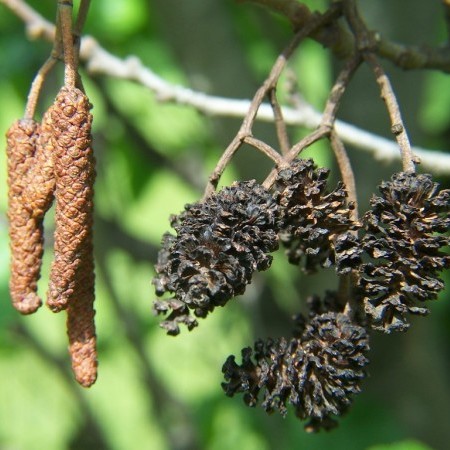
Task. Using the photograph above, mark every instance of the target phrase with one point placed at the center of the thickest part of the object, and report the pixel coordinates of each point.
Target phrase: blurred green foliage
(155, 392)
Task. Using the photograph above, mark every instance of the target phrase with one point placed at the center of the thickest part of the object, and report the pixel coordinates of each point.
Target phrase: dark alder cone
(404, 241)
(72, 276)
(218, 246)
(312, 217)
(317, 373)
(27, 155)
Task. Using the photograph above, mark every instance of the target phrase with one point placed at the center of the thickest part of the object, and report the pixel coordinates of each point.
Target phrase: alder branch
(99, 61)
(342, 44)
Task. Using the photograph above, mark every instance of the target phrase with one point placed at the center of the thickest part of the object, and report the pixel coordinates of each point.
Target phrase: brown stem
(36, 87)
(81, 17)
(366, 44)
(294, 152)
(338, 39)
(268, 85)
(65, 8)
(280, 124)
(348, 177)
(39, 79)
(266, 149)
(328, 118)
(78, 28)
(397, 126)
(337, 91)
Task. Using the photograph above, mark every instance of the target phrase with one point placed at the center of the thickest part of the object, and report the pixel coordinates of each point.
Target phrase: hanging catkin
(81, 332)
(26, 235)
(74, 171)
(72, 274)
(40, 181)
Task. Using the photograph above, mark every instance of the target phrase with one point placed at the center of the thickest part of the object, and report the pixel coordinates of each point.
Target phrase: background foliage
(157, 392)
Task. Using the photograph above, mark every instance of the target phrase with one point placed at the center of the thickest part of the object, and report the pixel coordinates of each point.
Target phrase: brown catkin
(72, 276)
(81, 332)
(40, 181)
(26, 234)
(72, 268)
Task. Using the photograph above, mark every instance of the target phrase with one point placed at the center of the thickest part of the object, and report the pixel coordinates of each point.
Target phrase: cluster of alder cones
(389, 261)
(53, 161)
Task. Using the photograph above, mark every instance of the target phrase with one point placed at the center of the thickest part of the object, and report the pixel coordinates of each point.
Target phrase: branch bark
(100, 61)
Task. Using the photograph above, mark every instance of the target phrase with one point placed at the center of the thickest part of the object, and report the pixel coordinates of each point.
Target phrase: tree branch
(99, 61)
(342, 44)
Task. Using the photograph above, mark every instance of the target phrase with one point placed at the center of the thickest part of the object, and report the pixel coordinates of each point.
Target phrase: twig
(327, 123)
(268, 85)
(346, 170)
(397, 127)
(99, 61)
(338, 89)
(365, 43)
(342, 44)
(81, 18)
(76, 35)
(266, 149)
(65, 8)
(39, 79)
(36, 87)
(280, 124)
(295, 150)
(139, 143)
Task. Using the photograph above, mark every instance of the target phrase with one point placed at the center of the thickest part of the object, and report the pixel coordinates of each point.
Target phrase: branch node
(396, 129)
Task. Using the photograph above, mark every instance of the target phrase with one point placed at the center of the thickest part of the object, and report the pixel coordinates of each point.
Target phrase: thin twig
(266, 149)
(65, 8)
(338, 89)
(313, 137)
(36, 87)
(397, 126)
(280, 124)
(39, 79)
(76, 36)
(81, 18)
(99, 61)
(347, 174)
(268, 85)
(337, 38)
(366, 44)
(327, 121)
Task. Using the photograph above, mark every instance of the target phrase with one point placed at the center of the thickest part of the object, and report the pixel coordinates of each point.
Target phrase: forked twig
(326, 126)
(268, 85)
(366, 44)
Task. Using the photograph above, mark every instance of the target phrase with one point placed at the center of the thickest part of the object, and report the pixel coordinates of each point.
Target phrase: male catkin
(72, 277)
(75, 173)
(25, 232)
